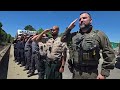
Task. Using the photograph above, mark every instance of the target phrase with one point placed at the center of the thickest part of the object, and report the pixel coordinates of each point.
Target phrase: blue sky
(106, 21)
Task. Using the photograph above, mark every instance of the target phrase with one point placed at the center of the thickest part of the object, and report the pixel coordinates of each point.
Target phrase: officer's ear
(90, 20)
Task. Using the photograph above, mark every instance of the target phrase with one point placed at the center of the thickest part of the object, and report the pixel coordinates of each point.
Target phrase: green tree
(1, 25)
(40, 30)
(0, 32)
(29, 27)
(114, 45)
(8, 38)
(3, 35)
(49, 34)
(12, 39)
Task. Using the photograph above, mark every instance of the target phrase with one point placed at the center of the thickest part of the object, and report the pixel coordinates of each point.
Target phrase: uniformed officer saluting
(85, 47)
(56, 54)
(43, 54)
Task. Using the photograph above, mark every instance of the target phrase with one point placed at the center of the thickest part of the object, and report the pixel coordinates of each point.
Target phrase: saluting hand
(46, 31)
(72, 25)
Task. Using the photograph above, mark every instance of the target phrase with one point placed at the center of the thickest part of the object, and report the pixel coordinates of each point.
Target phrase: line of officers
(39, 52)
(48, 54)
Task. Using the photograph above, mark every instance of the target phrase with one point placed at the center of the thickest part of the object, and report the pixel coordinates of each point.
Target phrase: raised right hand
(72, 25)
(46, 31)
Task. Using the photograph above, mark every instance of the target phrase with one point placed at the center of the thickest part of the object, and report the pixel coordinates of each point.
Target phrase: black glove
(70, 68)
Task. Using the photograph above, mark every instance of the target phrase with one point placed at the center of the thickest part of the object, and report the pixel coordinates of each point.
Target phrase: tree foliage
(30, 28)
(1, 25)
(40, 30)
(8, 38)
(49, 34)
(114, 45)
(4, 37)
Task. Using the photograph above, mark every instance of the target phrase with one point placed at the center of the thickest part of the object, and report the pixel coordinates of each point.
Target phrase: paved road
(16, 72)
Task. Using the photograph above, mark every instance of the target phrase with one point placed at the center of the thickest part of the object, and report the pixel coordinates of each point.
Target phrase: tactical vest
(85, 49)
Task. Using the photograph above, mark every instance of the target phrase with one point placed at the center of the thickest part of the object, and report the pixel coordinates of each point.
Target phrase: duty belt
(43, 56)
(35, 52)
(52, 61)
(86, 68)
(26, 50)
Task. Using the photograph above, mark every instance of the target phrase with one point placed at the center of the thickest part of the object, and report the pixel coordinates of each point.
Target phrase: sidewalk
(15, 71)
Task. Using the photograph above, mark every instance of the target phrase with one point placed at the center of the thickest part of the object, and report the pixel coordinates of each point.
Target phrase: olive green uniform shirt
(104, 44)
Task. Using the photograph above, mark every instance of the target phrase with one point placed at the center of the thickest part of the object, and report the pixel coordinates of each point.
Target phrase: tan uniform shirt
(42, 46)
(42, 49)
(55, 48)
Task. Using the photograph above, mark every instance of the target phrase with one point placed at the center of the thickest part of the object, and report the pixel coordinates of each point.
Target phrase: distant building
(19, 31)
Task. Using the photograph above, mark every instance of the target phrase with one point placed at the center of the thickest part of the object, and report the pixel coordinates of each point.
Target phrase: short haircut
(87, 13)
(56, 27)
